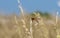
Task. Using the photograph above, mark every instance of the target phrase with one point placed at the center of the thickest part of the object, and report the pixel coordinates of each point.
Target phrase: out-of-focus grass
(9, 28)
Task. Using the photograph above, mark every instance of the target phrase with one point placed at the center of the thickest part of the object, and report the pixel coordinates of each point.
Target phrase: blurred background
(45, 16)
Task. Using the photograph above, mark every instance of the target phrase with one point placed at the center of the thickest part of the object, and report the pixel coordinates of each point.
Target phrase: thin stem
(20, 7)
(31, 30)
(57, 17)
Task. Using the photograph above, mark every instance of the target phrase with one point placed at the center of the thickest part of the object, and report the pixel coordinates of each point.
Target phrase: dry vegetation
(29, 26)
(14, 27)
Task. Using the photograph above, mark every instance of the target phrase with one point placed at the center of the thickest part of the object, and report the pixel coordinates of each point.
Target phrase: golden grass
(14, 27)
